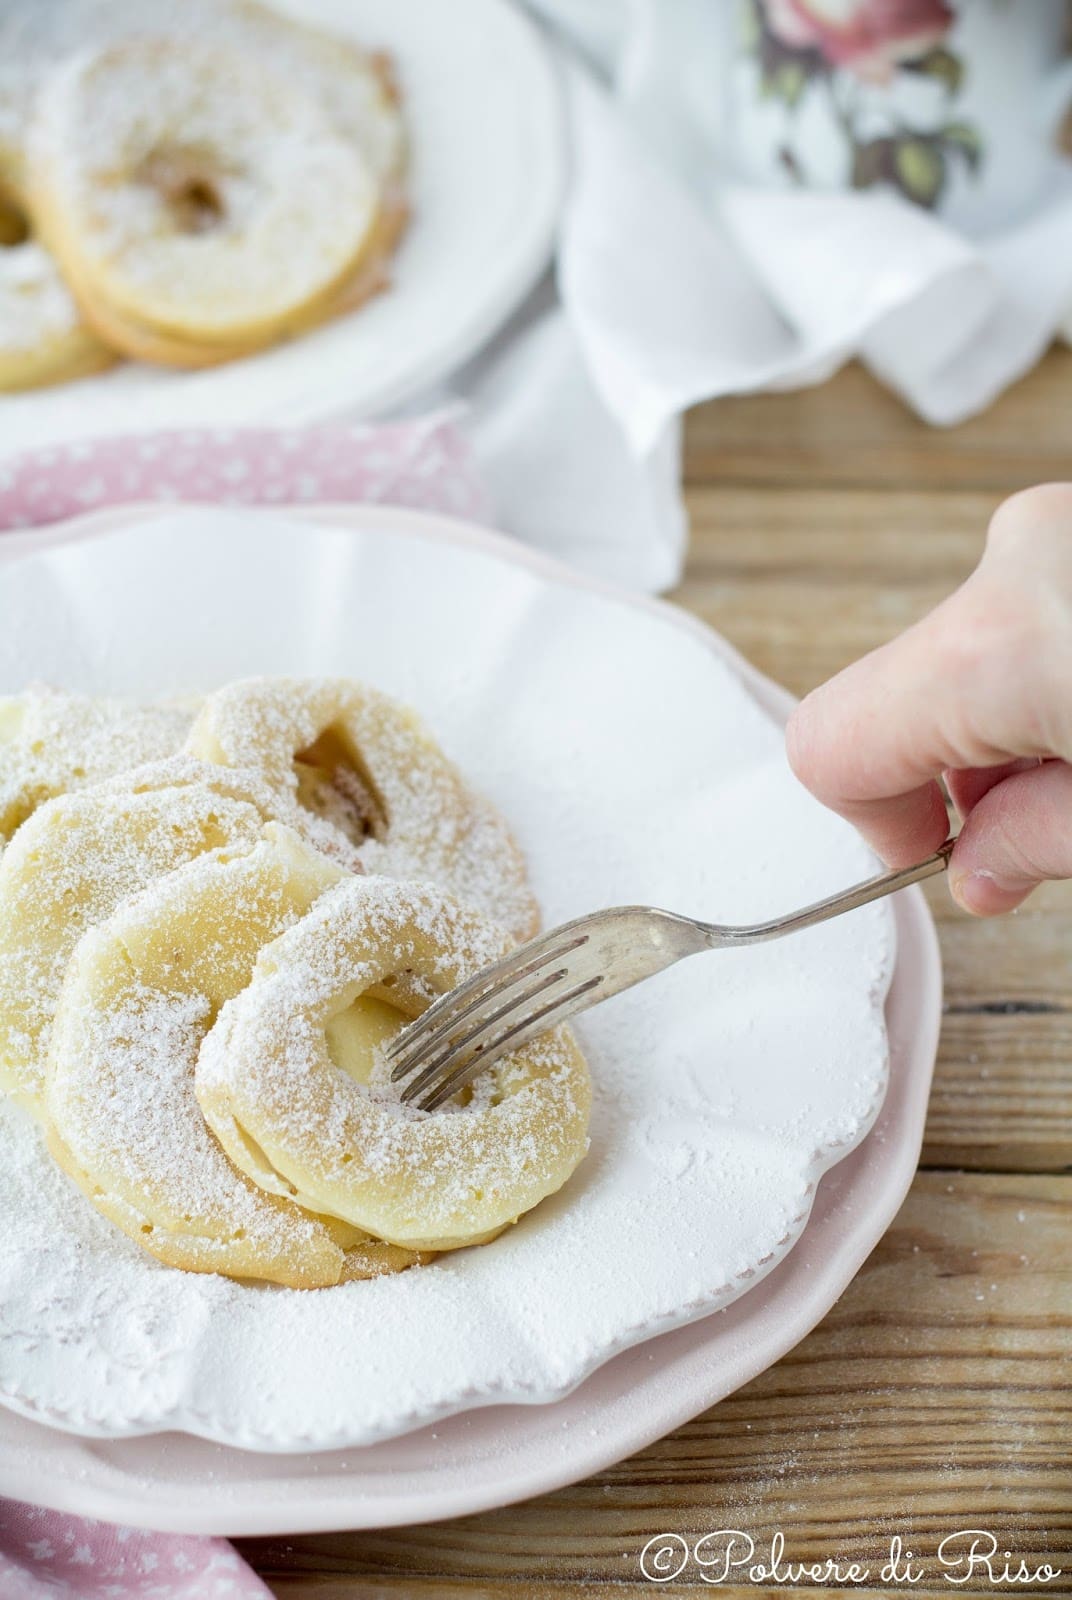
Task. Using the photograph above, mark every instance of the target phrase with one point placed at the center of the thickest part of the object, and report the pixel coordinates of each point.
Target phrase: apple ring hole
(334, 783)
(189, 188)
(14, 225)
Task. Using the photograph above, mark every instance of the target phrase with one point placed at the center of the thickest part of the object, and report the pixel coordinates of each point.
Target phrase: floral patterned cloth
(47, 1555)
(424, 463)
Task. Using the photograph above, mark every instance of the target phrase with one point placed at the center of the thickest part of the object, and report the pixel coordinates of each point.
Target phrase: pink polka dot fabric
(425, 464)
(47, 1555)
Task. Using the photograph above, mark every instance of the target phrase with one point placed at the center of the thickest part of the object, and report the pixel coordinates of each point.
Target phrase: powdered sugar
(35, 38)
(723, 1088)
(35, 303)
(426, 1180)
(76, 860)
(52, 741)
(122, 134)
(423, 820)
(141, 992)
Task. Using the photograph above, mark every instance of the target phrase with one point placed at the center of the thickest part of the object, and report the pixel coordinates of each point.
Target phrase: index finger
(872, 742)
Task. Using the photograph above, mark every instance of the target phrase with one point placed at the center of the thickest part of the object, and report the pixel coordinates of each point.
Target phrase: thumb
(1016, 837)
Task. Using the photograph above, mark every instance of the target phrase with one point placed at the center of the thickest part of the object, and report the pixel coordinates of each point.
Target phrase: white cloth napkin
(672, 286)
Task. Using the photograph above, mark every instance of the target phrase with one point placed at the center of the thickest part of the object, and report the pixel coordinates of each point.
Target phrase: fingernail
(985, 893)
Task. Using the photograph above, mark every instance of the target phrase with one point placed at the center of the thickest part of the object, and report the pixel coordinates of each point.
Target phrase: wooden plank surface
(850, 432)
(936, 1394)
(803, 581)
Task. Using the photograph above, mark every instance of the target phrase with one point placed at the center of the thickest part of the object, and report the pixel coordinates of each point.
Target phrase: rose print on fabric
(846, 49)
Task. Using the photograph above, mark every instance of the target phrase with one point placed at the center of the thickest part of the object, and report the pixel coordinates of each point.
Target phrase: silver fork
(578, 965)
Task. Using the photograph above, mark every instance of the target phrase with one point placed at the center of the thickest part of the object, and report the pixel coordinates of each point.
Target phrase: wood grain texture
(852, 433)
(1002, 1097)
(935, 1396)
(804, 581)
(325, 1587)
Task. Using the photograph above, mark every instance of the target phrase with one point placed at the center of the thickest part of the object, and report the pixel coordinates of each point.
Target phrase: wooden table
(937, 1394)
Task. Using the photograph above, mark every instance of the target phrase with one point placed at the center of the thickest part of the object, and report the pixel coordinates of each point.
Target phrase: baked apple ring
(301, 1124)
(141, 992)
(193, 195)
(75, 861)
(43, 338)
(354, 87)
(370, 786)
(52, 742)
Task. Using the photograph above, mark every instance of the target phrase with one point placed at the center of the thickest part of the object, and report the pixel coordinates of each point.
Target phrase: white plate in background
(486, 130)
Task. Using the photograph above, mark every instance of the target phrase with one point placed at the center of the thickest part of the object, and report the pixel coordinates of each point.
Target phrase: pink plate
(490, 1457)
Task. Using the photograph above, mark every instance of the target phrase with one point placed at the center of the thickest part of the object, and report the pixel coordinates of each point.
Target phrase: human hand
(980, 692)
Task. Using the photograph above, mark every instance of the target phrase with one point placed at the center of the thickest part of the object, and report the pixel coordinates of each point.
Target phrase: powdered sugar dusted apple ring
(74, 862)
(370, 786)
(52, 742)
(191, 194)
(355, 89)
(43, 338)
(141, 992)
(293, 1085)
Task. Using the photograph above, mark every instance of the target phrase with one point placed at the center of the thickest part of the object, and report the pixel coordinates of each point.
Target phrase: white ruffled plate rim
(503, 1454)
(774, 702)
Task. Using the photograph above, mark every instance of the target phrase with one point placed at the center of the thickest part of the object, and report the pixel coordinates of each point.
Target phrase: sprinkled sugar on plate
(723, 1090)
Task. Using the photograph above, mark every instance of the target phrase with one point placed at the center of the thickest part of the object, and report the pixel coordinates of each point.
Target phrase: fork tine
(625, 945)
(533, 1022)
(414, 1043)
(448, 1043)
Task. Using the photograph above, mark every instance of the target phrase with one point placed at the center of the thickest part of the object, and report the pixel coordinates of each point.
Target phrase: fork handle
(848, 900)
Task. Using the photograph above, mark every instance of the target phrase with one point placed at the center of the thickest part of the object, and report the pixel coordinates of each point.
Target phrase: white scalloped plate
(636, 767)
(487, 174)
